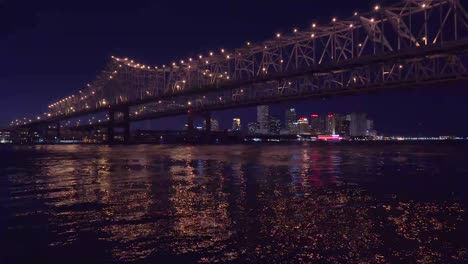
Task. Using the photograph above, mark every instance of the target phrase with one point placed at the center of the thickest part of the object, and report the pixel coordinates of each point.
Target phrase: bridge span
(412, 43)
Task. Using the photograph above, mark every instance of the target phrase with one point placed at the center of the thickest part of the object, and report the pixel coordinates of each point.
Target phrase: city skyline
(68, 65)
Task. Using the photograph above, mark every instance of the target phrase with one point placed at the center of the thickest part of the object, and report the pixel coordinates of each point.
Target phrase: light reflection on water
(267, 204)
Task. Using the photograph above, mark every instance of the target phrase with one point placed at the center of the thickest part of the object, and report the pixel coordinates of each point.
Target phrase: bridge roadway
(341, 65)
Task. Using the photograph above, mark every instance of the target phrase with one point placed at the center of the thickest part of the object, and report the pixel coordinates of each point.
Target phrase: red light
(328, 137)
(330, 116)
(314, 115)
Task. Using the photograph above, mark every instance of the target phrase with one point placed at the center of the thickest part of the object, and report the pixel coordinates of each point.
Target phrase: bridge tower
(123, 122)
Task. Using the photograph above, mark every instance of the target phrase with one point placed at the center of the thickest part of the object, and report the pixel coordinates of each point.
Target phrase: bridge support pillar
(126, 125)
(207, 117)
(190, 126)
(110, 127)
(57, 131)
(123, 122)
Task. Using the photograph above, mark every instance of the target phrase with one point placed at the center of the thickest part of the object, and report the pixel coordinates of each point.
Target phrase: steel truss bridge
(412, 43)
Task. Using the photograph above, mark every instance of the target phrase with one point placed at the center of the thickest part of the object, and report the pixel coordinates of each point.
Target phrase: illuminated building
(214, 124)
(358, 126)
(5, 137)
(252, 127)
(316, 124)
(330, 124)
(274, 125)
(370, 129)
(262, 117)
(236, 124)
(290, 119)
(303, 125)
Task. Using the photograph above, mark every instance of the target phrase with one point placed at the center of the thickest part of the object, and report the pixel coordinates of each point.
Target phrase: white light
(376, 7)
(295, 30)
(314, 25)
(278, 35)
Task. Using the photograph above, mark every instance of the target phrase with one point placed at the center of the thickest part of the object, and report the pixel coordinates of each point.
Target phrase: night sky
(50, 49)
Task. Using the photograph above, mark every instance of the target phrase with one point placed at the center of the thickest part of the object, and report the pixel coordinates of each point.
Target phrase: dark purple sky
(50, 49)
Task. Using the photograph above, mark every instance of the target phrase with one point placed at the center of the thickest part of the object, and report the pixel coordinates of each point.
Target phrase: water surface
(312, 203)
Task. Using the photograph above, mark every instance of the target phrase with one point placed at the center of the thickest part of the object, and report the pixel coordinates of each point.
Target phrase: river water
(311, 203)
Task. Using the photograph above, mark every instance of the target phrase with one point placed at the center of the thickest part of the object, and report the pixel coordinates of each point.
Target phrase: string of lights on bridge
(193, 61)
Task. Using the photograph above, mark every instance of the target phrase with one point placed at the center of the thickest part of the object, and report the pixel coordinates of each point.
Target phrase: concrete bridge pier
(57, 131)
(207, 117)
(190, 120)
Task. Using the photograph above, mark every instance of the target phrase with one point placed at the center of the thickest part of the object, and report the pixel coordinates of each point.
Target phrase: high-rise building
(358, 124)
(263, 112)
(253, 127)
(236, 124)
(315, 124)
(214, 124)
(290, 119)
(274, 125)
(370, 129)
(303, 125)
(344, 128)
(330, 124)
(5, 137)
